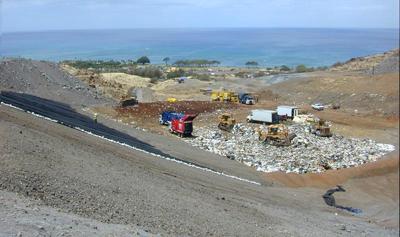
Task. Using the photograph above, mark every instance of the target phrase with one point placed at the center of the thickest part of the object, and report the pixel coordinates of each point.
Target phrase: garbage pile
(306, 154)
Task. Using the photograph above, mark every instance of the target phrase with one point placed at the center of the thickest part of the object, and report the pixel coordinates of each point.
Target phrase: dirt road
(79, 173)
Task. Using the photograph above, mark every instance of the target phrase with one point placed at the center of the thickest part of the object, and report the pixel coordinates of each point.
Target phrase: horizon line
(195, 28)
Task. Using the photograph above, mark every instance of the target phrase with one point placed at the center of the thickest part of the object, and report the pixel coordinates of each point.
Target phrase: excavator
(226, 122)
(276, 134)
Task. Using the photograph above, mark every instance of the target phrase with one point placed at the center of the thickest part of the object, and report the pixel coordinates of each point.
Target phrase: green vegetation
(302, 68)
(143, 60)
(252, 63)
(285, 68)
(99, 64)
(147, 71)
(175, 74)
(166, 60)
(197, 63)
(202, 77)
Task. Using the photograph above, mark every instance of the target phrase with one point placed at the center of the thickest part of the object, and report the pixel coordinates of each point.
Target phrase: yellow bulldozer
(226, 122)
(321, 128)
(224, 96)
(276, 134)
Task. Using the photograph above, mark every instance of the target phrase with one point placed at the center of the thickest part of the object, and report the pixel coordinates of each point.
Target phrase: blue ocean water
(232, 47)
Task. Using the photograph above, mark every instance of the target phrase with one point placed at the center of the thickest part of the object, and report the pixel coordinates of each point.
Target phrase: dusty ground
(115, 185)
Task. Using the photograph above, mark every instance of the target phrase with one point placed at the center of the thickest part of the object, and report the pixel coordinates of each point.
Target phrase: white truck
(287, 111)
(263, 116)
(318, 106)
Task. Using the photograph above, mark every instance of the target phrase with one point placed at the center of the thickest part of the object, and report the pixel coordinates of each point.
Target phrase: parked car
(318, 106)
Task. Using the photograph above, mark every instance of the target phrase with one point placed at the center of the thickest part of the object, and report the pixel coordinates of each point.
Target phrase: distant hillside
(375, 64)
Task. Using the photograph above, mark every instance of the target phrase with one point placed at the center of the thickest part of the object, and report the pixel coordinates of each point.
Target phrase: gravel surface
(22, 216)
(47, 80)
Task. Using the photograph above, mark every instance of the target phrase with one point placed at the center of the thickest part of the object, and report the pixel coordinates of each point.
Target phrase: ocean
(232, 47)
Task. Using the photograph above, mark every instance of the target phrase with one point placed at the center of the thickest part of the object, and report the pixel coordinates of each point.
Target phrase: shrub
(284, 68)
(149, 71)
(143, 60)
(301, 68)
(175, 74)
(202, 77)
(251, 63)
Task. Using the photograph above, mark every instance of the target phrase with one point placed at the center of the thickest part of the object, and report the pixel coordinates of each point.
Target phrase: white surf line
(141, 150)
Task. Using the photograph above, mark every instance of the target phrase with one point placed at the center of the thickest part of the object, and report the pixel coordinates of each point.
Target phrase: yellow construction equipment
(276, 134)
(172, 100)
(226, 122)
(224, 96)
(321, 128)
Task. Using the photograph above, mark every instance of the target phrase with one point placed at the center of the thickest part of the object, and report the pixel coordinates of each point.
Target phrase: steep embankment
(47, 80)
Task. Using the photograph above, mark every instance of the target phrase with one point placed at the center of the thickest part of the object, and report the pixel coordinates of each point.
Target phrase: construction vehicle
(224, 96)
(172, 100)
(166, 117)
(287, 111)
(126, 101)
(321, 128)
(226, 122)
(183, 126)
(246, 98)
(181, 80)
(276, 134)
(263, 116)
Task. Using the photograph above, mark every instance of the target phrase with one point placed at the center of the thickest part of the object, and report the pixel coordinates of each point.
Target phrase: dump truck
(226, 122)
(287, 111)
(166, 117)
(321, 128)
(246, 98)
(263, 116)
(276, 134)
(183, 126)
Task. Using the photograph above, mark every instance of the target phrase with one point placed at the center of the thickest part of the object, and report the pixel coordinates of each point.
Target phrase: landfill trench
(65, 115)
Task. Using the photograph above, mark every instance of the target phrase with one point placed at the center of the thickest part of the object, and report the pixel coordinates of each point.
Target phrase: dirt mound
(192, 107)
(47, 80)
(360, 94)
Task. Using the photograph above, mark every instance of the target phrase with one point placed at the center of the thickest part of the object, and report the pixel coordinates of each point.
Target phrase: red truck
(183, 126)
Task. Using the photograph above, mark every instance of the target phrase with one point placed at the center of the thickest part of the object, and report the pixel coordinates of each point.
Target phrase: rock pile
(307, 152)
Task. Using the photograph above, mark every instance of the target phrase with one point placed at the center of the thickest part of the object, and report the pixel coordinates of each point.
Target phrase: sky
(41, 15)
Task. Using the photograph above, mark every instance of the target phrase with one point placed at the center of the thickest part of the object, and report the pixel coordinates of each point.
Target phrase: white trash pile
(307, 153)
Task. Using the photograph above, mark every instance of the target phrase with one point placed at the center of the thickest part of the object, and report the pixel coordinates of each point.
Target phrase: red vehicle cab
(183, 126)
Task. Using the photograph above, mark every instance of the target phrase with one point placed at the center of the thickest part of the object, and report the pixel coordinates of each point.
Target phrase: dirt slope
(387, 62)
(47, 80)
(376, 95)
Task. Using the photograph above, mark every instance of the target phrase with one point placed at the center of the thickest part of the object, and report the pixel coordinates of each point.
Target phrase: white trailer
(288, 111)
(263, 116)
